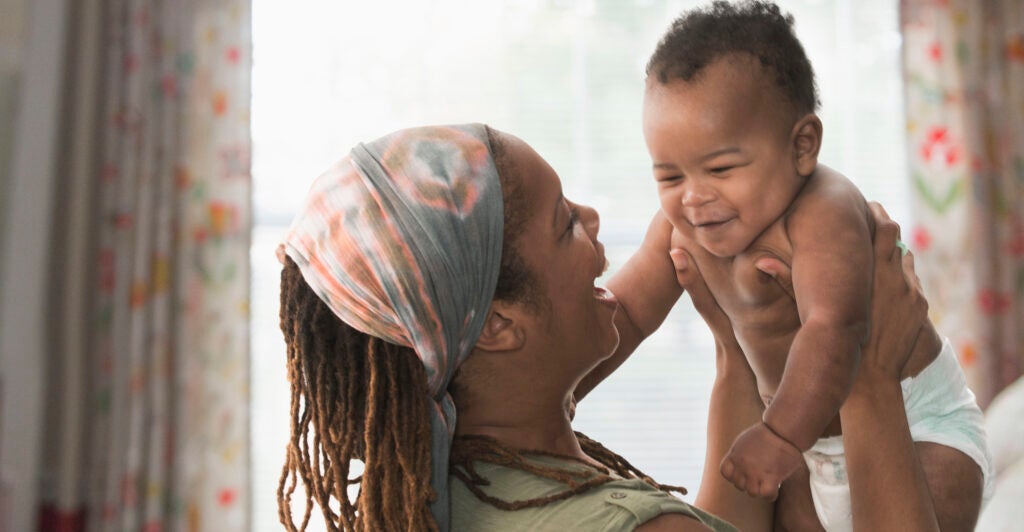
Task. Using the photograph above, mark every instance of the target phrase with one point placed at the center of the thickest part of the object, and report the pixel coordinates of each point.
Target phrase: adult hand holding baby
(760, 460)
(902, 284)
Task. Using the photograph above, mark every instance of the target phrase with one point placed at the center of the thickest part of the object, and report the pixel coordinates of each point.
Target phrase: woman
(464, 282)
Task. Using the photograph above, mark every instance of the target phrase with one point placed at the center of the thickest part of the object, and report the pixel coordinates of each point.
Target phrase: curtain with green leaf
(964, 77)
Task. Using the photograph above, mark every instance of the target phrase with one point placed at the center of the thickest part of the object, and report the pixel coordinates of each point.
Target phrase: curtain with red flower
(964, 77)
(147, 415)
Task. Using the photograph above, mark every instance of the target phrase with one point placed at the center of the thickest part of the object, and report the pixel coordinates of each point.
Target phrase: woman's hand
(881, 457)
(689, 277)
(897, 321)
(895, 324)
(734, 406)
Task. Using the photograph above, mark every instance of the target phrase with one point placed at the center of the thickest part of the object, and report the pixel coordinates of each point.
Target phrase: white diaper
(940, 409)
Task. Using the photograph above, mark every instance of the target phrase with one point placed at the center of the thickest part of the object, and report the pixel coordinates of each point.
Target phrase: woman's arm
(887, 484)
(734, 406)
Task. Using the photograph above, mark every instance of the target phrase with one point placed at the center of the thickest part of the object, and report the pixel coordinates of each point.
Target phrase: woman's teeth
(604, 294)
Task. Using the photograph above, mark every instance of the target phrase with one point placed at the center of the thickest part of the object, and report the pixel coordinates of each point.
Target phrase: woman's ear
(807, 143)
(503, 329)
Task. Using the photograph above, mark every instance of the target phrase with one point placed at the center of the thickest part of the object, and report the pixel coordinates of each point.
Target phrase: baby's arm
(832, 270)
(646, 288)
(831, 273)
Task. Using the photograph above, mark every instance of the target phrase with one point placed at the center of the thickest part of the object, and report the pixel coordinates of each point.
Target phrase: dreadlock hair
(355, 397)
(363, 399)
(700, 36)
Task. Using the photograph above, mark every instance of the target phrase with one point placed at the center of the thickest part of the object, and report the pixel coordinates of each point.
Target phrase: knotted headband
(402, 240)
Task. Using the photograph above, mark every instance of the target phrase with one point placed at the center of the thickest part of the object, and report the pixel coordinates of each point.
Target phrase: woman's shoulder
(619, 504)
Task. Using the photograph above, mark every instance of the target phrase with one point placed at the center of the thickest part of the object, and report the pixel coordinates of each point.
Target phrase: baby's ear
(807, 143)
(503, 330)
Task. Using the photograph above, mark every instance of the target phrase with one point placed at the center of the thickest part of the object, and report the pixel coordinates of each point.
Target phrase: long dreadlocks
(364, 399)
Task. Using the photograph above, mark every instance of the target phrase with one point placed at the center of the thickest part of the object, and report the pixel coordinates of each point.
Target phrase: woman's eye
(574, 218)
(721, 169)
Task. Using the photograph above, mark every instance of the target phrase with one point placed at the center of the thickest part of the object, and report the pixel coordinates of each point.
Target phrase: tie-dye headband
(402, 240)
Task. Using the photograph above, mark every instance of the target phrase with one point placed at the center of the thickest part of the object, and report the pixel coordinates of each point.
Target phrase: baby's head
(729, 122)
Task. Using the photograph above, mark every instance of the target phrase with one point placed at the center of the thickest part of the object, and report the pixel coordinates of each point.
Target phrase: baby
(729, 120)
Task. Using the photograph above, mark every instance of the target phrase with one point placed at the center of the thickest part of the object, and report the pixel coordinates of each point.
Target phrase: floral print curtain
(964, 77)
(147, 424)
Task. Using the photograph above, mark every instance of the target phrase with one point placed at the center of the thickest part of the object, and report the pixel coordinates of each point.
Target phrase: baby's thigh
(794, 510)
(956, 484)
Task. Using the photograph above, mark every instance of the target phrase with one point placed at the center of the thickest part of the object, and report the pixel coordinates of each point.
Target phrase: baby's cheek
(673, 210)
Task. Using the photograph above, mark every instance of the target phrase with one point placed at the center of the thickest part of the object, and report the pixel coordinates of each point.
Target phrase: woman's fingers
(778, 270)
(690, 279)
(898, 310)
(887, 232)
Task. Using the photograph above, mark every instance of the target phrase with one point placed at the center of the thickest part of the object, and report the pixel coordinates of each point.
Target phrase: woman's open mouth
(606, 297)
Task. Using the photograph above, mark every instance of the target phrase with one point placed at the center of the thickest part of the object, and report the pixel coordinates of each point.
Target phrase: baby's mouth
(711, 225)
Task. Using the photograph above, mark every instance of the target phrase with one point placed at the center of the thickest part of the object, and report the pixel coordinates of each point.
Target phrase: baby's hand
(759, 461)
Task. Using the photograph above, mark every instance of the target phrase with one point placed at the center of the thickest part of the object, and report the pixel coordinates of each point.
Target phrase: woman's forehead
(537, 179)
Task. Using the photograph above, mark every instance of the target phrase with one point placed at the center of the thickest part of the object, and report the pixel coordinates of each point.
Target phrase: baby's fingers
(728, 469)
(768, 489)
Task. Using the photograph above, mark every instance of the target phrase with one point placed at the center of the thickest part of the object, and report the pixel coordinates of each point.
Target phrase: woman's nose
(590, 219)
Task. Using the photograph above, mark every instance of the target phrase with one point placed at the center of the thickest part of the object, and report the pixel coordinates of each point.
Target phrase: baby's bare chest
(756, 304)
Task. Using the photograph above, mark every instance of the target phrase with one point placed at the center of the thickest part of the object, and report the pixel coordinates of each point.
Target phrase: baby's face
(723, 155)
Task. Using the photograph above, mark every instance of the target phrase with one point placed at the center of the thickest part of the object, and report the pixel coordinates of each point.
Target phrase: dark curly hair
(760, 29)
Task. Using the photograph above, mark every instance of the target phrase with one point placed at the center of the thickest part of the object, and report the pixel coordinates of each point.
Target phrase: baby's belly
(766, 353)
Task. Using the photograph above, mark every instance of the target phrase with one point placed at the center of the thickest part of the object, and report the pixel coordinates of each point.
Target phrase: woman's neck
(527, 425)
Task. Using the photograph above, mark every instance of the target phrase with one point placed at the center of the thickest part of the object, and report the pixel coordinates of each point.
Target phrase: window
(567, 77)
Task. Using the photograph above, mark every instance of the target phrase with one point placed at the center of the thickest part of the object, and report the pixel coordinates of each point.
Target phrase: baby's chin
(722, 249)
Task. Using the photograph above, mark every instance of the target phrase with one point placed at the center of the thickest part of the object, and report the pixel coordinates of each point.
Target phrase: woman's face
(560, 247)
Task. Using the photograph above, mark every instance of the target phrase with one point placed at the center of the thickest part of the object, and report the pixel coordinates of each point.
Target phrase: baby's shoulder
(829, 198)
(828, 187)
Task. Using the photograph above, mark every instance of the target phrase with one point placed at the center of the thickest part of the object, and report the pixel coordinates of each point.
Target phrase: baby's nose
(696, 194)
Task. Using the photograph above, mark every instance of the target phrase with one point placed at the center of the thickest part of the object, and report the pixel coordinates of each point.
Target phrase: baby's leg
(948, 432)
(956, 483)
(794, 510)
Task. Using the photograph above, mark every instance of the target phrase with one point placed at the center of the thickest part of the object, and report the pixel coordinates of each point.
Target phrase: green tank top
(619, 505)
